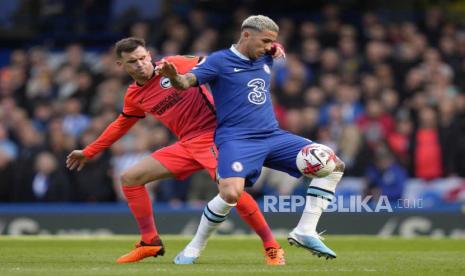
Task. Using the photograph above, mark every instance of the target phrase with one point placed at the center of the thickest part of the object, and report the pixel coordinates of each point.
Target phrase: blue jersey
(241, 91)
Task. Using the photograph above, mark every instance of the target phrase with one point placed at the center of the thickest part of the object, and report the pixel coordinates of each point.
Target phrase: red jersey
(187, 113)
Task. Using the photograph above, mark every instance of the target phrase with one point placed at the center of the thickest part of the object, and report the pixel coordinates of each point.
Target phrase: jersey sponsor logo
(238, 69)
(267, 69)
(258, 94)
(237, 166)
(165, 82)
(165, 104)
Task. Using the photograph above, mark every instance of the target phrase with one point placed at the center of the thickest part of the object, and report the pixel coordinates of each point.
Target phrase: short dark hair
(128, 45)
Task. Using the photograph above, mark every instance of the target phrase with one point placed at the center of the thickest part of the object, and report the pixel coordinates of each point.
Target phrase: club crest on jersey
(165, 82)
(267, 68)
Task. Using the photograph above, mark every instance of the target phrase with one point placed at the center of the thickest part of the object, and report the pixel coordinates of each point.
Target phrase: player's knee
(230, 195)
(231, 189)
(340, 166)
(129, 179)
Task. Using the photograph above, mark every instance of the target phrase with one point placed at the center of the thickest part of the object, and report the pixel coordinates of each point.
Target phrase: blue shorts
(246, 157)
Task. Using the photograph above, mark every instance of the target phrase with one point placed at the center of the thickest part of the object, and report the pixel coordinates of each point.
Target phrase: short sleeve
(207, 70)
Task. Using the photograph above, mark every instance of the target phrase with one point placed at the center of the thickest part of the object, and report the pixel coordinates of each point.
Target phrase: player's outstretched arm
(168, 69)
(119, 127)
(76, 159)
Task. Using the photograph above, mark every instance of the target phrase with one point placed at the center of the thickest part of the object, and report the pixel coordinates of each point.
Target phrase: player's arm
(168, 69)
(114, 131)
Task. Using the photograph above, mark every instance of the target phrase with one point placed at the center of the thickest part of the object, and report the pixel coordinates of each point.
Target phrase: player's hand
(277, 51)
(76, 159)
(167, 69)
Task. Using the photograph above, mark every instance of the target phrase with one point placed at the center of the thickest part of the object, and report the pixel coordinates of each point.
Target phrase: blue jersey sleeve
(207, 70)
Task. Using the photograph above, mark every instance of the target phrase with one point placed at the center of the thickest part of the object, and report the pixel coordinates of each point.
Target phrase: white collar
(237, 53)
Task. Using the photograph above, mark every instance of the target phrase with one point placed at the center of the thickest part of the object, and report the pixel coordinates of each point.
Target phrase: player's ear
(119, 62)
(246, 34)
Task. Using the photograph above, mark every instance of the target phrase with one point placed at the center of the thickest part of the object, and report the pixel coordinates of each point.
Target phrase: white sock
(320, 193)
(214, 213)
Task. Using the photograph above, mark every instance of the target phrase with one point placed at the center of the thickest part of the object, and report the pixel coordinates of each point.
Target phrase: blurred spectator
(399, 141)
(350, 149)
(376, 53)
(59, 143)
(95, 183)
(432, 23)
(85, 91)
(47, 182)
(375, 124)
(74, 121)
(386, 177)
(390, 101)
(7, 146)
(428, 155)
(347, 101)
(449, 130)
(350, 58)
(7, 175)
(32, 143)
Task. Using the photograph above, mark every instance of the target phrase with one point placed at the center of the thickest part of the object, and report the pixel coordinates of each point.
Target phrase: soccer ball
(316, 160)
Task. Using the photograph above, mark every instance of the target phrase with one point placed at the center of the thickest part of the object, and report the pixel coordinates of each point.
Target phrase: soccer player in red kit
(190, 114)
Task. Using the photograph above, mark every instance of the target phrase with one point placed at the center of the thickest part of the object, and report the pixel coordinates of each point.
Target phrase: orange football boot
(274, 256)
(142, 251)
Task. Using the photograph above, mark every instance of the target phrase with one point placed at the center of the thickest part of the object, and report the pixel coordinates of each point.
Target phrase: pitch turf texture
(227, 255)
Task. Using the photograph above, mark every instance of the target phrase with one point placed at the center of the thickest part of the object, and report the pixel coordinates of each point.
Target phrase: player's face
(260, 42)
(138, 63)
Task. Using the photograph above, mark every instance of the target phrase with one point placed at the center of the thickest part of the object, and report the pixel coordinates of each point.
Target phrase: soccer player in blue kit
(248, 136)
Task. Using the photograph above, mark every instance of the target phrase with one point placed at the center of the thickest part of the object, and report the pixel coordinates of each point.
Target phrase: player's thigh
(204, 151)
(178, 160)
(242, 158)
(284, 150)
(146, 170)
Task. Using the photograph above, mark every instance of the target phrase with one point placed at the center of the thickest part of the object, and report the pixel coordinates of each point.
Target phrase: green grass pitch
(227, 255)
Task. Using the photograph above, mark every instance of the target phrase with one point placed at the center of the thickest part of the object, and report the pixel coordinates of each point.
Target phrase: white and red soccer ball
(316, 160)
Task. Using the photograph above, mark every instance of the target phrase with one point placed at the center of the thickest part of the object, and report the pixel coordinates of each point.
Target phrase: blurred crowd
(387, 95)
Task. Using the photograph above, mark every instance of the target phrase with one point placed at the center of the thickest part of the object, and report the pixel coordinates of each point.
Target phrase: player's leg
(205, 152)
(213, 215)
(133, 185)
(319, 193)
(248, 210)
(171, 161)
(236, 161)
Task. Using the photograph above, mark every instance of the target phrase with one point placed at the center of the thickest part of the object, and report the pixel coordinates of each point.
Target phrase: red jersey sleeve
(111, 134)
(183, 63)
(130, 115)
